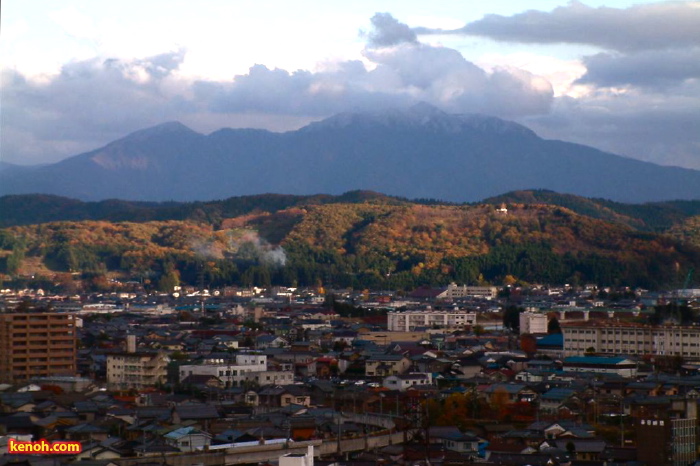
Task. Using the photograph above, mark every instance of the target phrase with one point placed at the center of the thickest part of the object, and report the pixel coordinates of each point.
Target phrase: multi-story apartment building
(406, 321)
(36, 344)
(533, 322)
(240, 369)
(455, 291)
(132, 369)
(631, 339)
(667, 441)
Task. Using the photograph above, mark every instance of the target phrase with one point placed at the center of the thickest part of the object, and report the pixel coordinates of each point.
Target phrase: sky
(622, 76)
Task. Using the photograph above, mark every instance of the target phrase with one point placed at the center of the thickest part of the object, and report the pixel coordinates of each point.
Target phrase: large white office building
(242, 368)
(455, 291)
(408, 321)
(632, 339)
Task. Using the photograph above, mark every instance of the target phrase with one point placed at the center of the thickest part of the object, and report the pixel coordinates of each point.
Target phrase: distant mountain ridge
(418, 152)
(29, 209)
(360, 240)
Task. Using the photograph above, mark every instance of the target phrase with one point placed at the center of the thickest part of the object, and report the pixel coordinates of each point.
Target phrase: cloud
(88, 103)
(639, 27)
(640, 97)
(642, 103)
(92, 102)
(401, 71)
(388, 31)
(653, 126)
(649, 68)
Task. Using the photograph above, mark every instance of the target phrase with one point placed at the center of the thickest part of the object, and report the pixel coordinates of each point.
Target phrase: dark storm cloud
(640, 27)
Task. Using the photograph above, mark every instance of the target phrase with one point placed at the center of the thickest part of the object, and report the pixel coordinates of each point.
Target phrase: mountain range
(419, 152)
(360, 239)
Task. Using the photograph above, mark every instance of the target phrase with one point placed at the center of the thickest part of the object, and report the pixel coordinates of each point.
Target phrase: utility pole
(622, 425)
(426, 429)
(337, 416)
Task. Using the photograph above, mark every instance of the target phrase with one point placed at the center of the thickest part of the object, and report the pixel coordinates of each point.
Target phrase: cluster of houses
(170, 378)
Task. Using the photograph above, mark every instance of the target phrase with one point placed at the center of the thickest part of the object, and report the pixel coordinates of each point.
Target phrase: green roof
(600, 360)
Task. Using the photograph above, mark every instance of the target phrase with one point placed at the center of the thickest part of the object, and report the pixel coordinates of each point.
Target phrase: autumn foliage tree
(528, 343)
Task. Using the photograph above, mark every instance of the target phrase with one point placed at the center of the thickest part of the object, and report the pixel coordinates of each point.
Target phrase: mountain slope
(376, 245)
(28, 209)
(651, 216)
(420, 152)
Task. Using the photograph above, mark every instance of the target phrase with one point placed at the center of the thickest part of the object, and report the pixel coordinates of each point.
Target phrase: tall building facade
(36, 344)
(136, 369)
(533, 322)
(406, 321)
(662, 442)
(633, 339)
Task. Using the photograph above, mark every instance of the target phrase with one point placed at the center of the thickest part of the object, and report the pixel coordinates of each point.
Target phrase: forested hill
(360, 239)
(650, 216)
(29, 209)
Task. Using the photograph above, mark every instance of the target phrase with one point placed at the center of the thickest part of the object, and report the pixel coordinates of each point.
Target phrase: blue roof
(602, 360)
(558, 394)
(509, 388)
(183, 432)
(555, 339)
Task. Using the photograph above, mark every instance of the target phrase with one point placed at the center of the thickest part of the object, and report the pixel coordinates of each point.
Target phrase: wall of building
(36, 345)
(632, 339)
(533, 322)
(405, 321)
(136, 370)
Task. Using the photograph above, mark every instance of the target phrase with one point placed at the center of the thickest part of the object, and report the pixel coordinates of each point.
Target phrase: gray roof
(583, 446)
(197, 411)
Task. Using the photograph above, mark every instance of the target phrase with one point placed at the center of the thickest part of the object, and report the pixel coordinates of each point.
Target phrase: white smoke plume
(207, 248)
(251, 247)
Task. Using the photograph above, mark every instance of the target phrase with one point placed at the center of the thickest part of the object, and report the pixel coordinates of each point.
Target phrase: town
(454, 375)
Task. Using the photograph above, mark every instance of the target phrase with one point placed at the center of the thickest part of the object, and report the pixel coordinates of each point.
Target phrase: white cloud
(649, 68)
(640, 27)
(619, 102)
(651, 126)
(561, 74)
(76, 24)
(388, 31)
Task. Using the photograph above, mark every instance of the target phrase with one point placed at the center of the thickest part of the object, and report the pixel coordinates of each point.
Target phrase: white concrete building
(403, 382)
(601, 364)
(136, 370)
(298, 459)
(406, 321)
(634, 339)
(455, 291)
(533, 322)
(242, 368)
